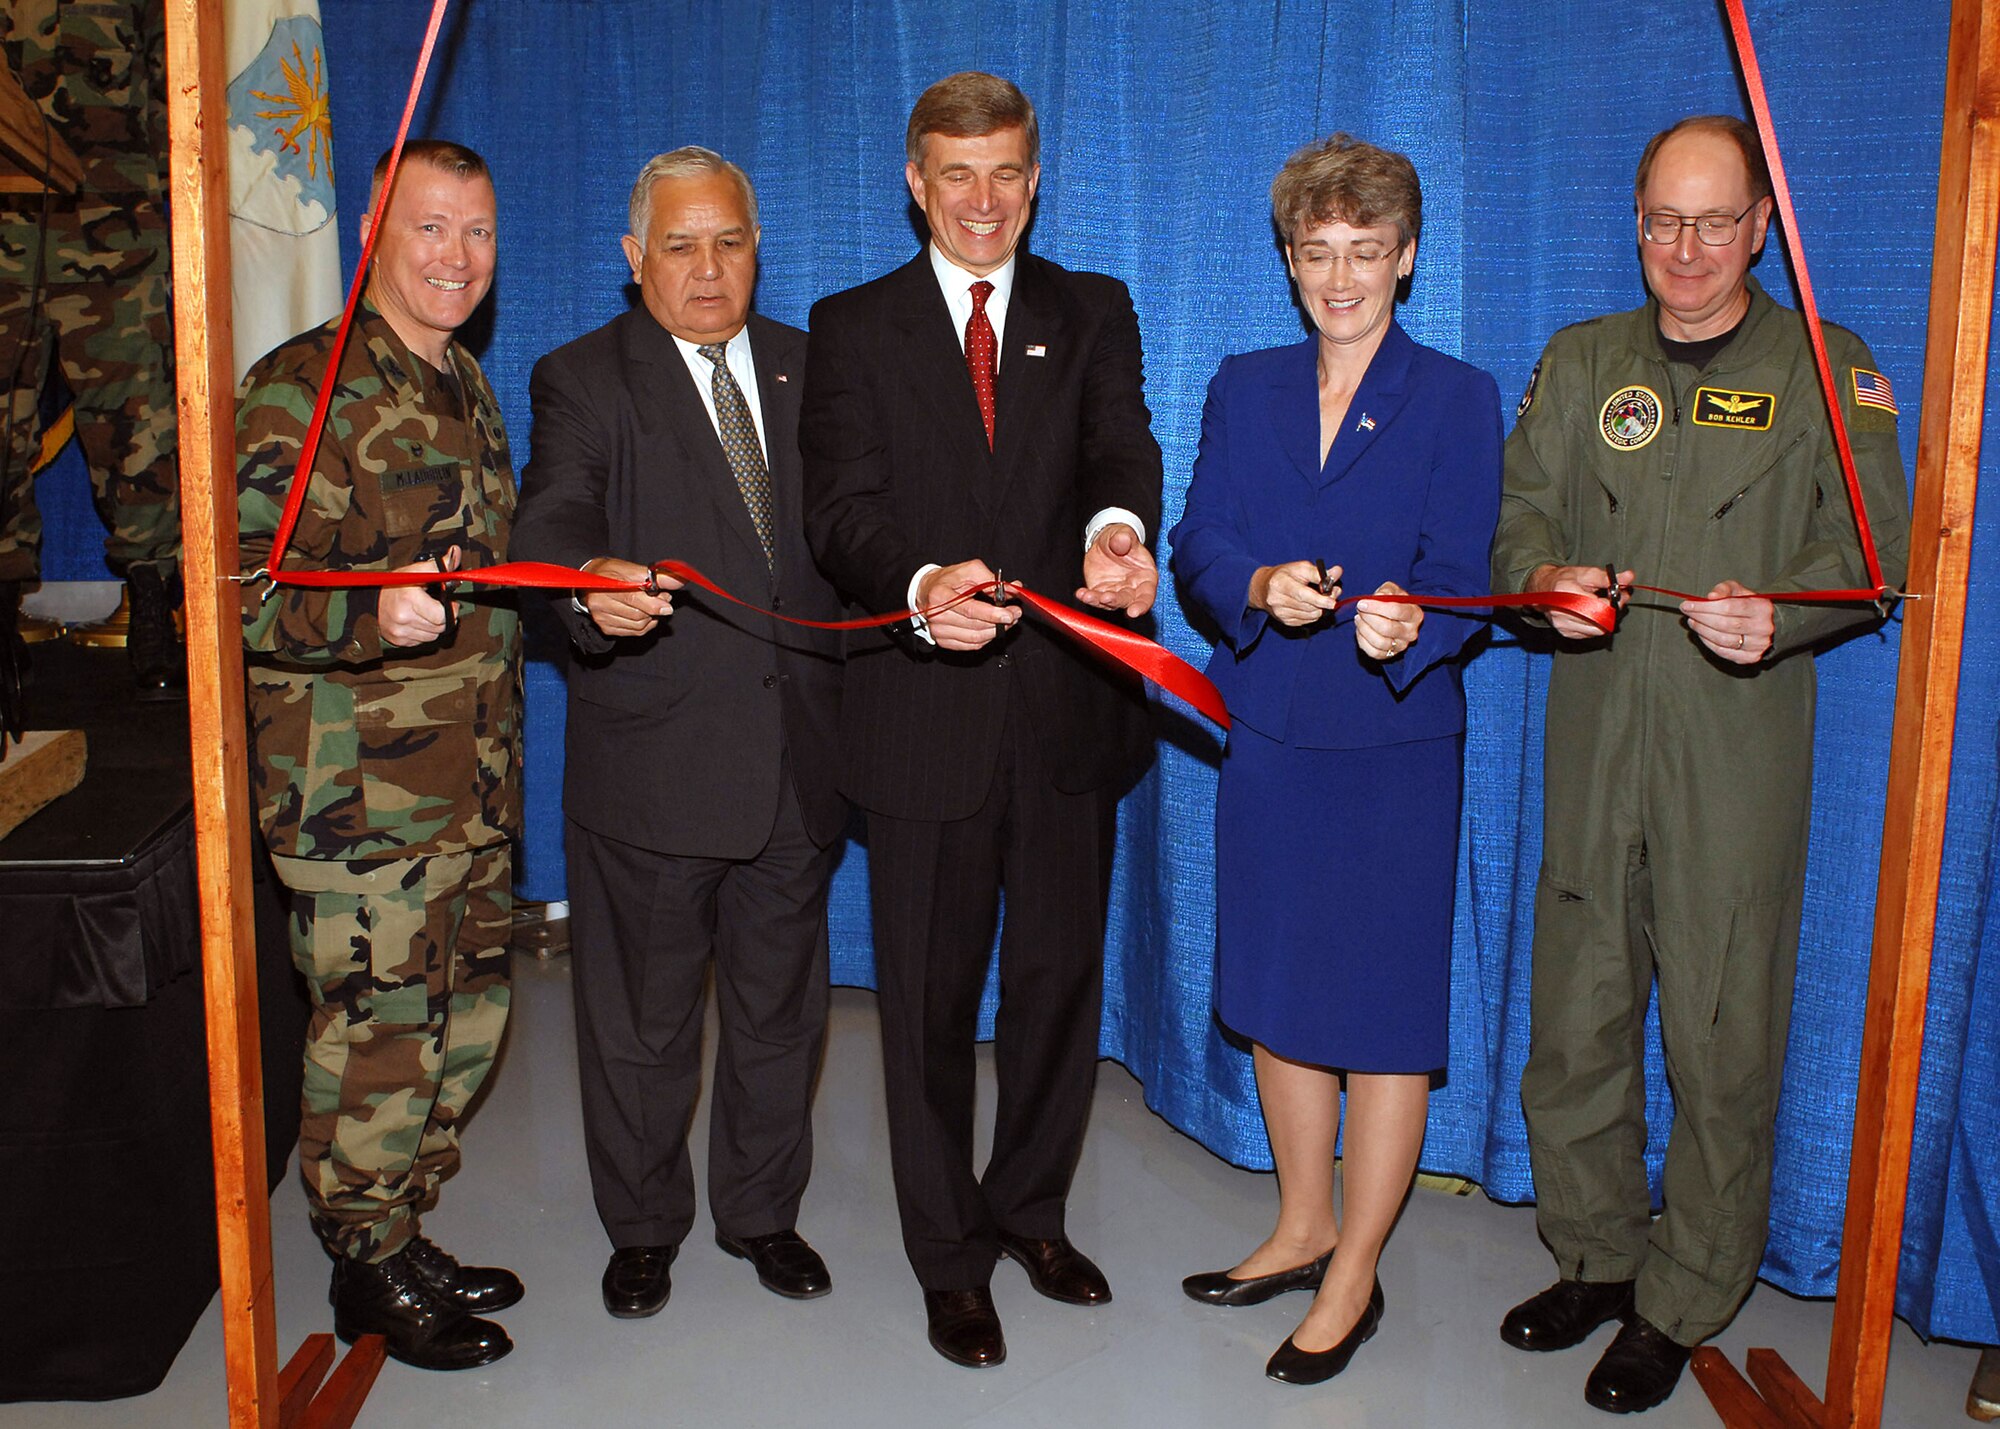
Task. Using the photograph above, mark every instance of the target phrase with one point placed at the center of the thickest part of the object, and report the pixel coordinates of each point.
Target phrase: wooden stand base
(43, 767)
(305, 1403)
(1774, 1397)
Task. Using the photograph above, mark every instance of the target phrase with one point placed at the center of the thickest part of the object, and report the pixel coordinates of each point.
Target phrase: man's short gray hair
(687, 162)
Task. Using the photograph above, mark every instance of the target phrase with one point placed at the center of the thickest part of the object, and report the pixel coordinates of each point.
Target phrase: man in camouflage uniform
(386, 751)
(83, 283)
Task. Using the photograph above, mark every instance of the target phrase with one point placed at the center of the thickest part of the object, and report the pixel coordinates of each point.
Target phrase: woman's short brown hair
(1343, 179)
(966, 105)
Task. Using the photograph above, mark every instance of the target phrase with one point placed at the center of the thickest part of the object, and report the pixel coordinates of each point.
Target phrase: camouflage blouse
(98, 72)
(361, 750)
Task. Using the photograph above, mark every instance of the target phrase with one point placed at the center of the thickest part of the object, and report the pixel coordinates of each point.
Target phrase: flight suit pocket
(1577, 981)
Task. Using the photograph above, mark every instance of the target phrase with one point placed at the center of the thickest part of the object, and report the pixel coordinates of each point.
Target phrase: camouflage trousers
(407, 965)
(115, 344)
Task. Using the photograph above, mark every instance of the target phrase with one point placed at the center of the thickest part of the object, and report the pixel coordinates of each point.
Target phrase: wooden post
(198, 185)
(1963, 253)
(198, 179)
(1954, 409)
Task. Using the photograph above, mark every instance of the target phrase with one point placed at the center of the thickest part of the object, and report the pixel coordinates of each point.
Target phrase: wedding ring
(1739, 642)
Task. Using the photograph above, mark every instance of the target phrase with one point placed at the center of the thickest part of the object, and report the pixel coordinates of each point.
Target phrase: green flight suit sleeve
(1833, 560)
(1534, 528)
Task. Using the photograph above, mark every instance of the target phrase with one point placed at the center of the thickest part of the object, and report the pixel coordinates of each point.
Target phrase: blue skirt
(1334, 876)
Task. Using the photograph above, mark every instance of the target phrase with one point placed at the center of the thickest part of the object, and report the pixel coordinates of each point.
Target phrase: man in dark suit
(702, 816)
(979, 410)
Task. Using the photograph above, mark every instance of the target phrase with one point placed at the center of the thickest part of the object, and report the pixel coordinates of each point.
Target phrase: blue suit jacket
(1410, 493)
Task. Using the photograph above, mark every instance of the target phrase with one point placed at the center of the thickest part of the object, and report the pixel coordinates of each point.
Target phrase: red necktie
(979, 352)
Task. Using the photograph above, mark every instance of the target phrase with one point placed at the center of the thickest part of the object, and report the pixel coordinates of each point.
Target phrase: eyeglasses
(1318, 261)
(1717, 230)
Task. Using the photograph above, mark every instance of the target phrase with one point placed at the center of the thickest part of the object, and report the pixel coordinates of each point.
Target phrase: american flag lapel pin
(1035, 349)
(1366, 424)
(781, 376)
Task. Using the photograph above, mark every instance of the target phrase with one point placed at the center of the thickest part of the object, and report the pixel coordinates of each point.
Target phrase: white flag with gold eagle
(284, 240)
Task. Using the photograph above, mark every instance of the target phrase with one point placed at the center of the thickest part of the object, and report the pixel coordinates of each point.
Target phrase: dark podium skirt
(1334, 876)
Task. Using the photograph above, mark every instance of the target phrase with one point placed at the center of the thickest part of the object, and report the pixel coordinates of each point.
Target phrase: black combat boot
(159, 665)
(422, 1328)
(481, 1289)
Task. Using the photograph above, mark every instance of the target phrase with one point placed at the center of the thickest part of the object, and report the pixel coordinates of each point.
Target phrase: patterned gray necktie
(739, 444)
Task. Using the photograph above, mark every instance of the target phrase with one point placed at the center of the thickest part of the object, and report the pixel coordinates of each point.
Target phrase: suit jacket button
(777, 602)
(770, 682)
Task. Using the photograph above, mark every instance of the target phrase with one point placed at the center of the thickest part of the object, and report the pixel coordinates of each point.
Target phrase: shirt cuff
(917, 623)
(575, 600)
(1112, 516)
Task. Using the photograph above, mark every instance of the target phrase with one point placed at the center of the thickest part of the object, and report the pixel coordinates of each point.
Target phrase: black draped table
(108, 1241)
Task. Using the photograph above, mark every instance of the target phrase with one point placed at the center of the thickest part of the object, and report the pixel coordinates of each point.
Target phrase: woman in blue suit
(1355, 457)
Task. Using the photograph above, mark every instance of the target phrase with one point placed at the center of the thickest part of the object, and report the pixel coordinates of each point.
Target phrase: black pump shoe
(421, 1328)
(1296, 1366)
(1219, 1287)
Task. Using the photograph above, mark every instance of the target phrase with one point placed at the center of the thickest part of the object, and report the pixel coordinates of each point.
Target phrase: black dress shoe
(636, 1282)
(785, 1264)
(1566, 1313)
(964, 1327)
(1057, 1269)
(1219, 1287)
(420, 1327)
(1639, 1370)
(481, 1289)
(1296, 1366)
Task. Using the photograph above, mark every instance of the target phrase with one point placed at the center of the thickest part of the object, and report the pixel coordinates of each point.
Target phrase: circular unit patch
(1630, 418)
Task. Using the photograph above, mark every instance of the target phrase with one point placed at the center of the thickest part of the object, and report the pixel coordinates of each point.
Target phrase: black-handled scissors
(441, 592)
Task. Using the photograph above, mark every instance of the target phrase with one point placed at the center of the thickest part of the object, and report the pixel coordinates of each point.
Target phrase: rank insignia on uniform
(1871, 389)
(1528, 394)
(1746, 411)
(1630, 418)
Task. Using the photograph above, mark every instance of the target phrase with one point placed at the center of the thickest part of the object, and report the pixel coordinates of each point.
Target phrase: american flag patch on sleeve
(1871, 389)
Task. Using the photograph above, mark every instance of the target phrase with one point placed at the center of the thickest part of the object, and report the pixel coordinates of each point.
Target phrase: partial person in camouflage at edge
(84, 283)
(385, 733)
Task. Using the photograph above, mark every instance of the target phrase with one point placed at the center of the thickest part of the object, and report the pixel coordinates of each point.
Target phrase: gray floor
(1149, 1204)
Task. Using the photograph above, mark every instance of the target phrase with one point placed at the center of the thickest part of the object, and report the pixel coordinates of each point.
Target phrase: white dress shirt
(737, 354)
(956, 285)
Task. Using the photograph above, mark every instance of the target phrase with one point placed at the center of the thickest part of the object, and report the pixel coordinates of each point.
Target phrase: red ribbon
(1760, 106)
(1154, 662)
(295, 499)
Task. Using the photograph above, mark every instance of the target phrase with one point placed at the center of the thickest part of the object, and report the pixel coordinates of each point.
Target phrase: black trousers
(936, 891)
(644, 927)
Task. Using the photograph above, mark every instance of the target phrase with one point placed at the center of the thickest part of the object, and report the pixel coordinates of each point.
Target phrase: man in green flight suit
(1689, 440)
(385, 732)
(84, 284)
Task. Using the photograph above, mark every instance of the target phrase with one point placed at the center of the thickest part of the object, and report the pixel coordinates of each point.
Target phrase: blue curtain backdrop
(1162, 126)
